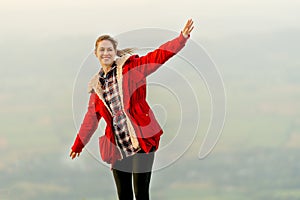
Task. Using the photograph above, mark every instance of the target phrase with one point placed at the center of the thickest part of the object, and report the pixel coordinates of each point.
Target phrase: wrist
(185, 36)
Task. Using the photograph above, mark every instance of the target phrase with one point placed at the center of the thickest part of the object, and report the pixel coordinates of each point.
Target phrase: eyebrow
(106, 47)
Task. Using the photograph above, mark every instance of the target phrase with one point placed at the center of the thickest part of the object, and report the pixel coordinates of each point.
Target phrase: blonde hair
(121, 52)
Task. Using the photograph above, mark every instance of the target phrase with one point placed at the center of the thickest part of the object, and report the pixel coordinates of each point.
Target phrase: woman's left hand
(188, 28)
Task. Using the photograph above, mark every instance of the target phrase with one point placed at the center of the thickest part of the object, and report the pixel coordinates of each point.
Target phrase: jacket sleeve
(153, 60)
(88, 126)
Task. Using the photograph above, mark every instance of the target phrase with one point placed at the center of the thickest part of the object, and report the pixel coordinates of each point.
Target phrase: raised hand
(188, 28)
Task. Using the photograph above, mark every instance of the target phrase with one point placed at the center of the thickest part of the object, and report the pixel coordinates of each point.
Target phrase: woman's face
(105, 53)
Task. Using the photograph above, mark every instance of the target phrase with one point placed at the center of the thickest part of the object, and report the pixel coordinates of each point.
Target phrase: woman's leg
(123, 182)
(142, 167)
(141, 182)
(122, 171)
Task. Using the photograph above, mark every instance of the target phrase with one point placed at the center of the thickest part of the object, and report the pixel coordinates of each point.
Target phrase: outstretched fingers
(188, 27)
(74, 154)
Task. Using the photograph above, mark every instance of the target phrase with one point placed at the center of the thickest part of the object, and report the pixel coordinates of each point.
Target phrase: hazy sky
(36, 18)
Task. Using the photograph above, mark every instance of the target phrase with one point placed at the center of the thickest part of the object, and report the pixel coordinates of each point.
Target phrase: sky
(44, 19)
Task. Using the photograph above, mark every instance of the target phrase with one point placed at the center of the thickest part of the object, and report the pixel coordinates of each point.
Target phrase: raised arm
(153, 60)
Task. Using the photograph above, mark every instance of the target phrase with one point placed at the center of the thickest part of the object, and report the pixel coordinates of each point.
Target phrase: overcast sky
(37, 18)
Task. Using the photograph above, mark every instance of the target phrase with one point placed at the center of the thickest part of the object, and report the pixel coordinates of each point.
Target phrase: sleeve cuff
(78, 145)
(184, 38)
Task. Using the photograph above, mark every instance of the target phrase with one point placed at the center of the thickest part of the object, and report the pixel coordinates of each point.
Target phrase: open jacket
(131, 79)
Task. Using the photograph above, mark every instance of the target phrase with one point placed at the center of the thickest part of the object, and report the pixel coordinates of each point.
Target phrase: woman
(118, 94)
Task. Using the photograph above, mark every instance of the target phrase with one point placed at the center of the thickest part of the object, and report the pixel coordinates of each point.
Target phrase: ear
(95, 52)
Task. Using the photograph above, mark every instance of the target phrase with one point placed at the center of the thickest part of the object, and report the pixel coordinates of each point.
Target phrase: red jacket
(131, 77)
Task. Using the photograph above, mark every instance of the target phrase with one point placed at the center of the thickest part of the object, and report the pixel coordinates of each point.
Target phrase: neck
(106, 68)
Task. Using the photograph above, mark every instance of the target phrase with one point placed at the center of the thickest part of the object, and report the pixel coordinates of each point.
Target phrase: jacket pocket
(141, 114)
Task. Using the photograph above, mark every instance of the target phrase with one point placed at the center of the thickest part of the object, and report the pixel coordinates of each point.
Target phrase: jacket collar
(95, 86)
(101, 72)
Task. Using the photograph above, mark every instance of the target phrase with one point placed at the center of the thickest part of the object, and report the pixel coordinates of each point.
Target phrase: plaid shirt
(112, 99)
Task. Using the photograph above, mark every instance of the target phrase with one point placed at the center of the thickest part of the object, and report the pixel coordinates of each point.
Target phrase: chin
(106, 63)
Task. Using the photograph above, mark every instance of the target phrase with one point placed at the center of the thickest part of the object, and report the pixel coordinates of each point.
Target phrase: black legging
(139, 167)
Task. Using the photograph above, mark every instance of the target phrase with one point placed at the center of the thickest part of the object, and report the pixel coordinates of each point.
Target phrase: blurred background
(255, 45)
